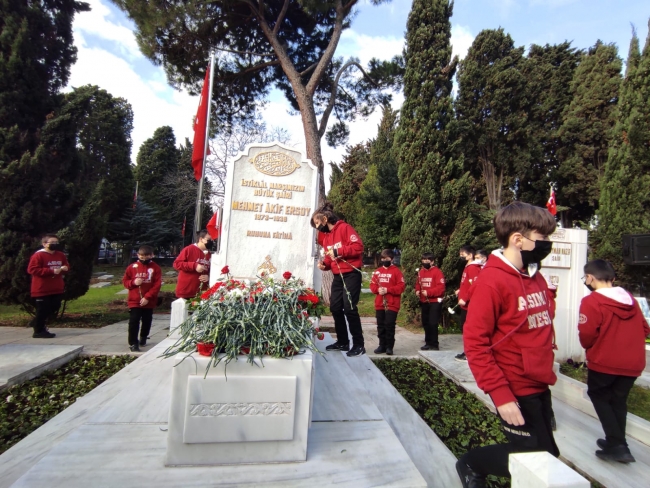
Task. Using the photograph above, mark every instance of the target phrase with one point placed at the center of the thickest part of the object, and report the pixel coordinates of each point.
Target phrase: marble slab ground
(119, 439)
(22, 362)
(576, 434)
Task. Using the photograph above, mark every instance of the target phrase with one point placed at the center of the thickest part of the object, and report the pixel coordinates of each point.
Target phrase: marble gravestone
(271, 193)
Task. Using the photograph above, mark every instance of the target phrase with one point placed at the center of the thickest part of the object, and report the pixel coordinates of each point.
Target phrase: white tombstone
(271, 193)
(564, 267)
(178, 316)
(542, 470)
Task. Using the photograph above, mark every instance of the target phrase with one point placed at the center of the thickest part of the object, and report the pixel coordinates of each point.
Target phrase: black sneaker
(426, 347)
(389, 351)
(460, 357)
(380, 350)
(468, 477)
(602, 443)
(134, 348)
(337, 346)
(43, 335)
(143, 342)
(356, 351)
(621, 454)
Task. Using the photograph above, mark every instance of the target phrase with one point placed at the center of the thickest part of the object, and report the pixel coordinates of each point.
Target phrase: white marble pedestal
(542, 470)
(256, 414)
(179, 315)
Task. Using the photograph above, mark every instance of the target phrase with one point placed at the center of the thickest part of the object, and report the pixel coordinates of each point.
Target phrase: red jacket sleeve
(327, 262)
(127, 280)
(182, 264)
(156, 283)
(35, 269)
(471, 272)
(589, 323)
(397, 285)
(374, 286)
(351, 246)
(65, 263)
(477, 333)
(438, 286)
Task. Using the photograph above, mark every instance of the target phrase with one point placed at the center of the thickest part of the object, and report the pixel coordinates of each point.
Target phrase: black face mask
(55, 247)
(323, 228)
(426, 266)
(537, 255)
(145, 261)
(462, 259)
(590, 288)
(208, 245)
(386, 263)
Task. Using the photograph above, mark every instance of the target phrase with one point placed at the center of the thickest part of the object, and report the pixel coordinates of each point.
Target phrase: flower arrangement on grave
(255, 318)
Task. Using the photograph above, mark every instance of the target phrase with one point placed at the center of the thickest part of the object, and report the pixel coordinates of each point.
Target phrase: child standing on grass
(508, 340)
(430, 288)
(613, 330)
(388, 284)
(143, 280)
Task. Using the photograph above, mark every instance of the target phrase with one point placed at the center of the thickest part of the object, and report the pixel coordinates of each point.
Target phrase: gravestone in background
(271, 193)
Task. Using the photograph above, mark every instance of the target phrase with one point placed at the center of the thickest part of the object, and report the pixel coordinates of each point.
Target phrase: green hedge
(25, 407)
(457, 417)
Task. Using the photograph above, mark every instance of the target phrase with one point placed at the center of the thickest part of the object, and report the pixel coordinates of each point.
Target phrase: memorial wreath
(254, 318)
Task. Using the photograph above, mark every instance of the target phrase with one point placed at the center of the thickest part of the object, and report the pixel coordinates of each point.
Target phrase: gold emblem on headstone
(267, 266)
(274, 164)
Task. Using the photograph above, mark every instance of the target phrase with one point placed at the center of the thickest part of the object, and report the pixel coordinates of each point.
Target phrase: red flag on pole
(551, 205)
(214, 226)
(183, 229)
(200, 123)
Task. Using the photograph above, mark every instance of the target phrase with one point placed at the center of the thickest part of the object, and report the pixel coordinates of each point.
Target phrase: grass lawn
(638, 402)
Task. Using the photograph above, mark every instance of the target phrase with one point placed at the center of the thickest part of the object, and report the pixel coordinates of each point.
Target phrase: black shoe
(43, 335)
(389, 351)
(468, 477)
(356, 351)
(337, 346)
(602, 443)
(621, 454)
(134, 347)
(143, 342)
(553, 424)
(460, 357)
(380, 350)
(426, 347)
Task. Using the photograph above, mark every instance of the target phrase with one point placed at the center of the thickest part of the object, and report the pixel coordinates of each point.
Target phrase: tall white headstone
(564, 267)
(271, 193)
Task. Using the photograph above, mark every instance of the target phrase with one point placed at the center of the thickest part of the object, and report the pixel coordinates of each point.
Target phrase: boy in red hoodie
(508, 338)
(388, 284)
(47, 267)
(193, 266)
(430, 288)
(467, 281)
(613, 330)
(143, 280)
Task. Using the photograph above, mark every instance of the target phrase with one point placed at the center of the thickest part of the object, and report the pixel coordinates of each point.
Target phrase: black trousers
(386, 320)
(45, 307)
(344, 307)
(135, 316)
(462, 318)
(535, 435)
(430, 319)
(608, 393)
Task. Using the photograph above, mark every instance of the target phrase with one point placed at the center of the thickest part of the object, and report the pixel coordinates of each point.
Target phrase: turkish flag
(200, 122)
(551, 205)
(214, 227)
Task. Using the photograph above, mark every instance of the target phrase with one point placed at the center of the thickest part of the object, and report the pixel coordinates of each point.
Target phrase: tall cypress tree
(354, 169)
(586, 128)
(434, 189)
(624, 206)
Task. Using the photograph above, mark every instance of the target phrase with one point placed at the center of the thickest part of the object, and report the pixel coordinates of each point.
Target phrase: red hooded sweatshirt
(346, 244)
(188, 278)
(433, 282)
(508, 335)
(41, 267)
(151, 280)
(392, 279)
(613, 330)
(467, 281)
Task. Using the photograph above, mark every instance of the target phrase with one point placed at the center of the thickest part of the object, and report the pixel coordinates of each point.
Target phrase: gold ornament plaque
(274, 164)
(267, 266)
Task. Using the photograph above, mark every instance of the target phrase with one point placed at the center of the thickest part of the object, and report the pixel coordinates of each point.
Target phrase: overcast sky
(108, 55)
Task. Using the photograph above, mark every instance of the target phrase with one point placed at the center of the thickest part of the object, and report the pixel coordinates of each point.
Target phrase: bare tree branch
(326, 114)
(261, 55)
(260, 66)
(278, 23)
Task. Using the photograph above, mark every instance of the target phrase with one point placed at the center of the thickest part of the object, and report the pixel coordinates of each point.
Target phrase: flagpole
(199, 199)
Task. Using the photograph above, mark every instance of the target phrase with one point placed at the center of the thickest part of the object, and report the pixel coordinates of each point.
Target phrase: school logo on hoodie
(583, 319)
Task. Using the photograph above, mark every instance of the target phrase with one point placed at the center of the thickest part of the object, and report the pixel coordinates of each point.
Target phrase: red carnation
(225, 270)
(286, 275)
(308, 298)
(212, 290)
